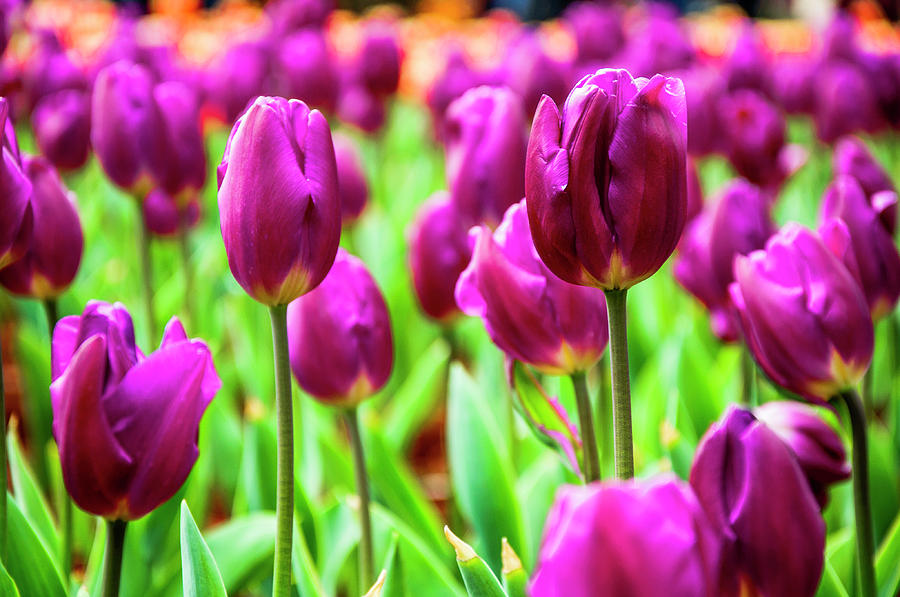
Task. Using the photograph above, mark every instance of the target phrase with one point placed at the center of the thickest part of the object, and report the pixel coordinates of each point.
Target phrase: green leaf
(200, 576)
(8, 586)
(480, 469)
(28, 562)
(393, 569)
(477, 576)
(515, 579)
(304, 568)
(244, 549)
(831, 585)
(28, 494)
(887, 562)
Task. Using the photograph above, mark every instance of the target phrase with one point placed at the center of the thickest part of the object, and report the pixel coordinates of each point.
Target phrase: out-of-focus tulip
(339, 335)
(15, 195)
(456, 78)
(749, 66)
(703, 90)
(871, 254)
(126, 424)
(531, 73)
(803, 315)
(694, 191)
(816, 445)
(844, 102)
(606, 179)
(438, 253)
(305, 69)
(751, 485)
(597, 29)
(62, 128)
(851, 157)
(529, 313)
(357, 106)
(377, 66)
(485, 149)
(237, 76)
(598, 539)
(52, 258)
(49, 70)
(793, 79)
(737, 223)
(754, 134)
(278, 200)
(352, 187)
(293, 15)
(658, 43)
(165, 216)
(176, 158)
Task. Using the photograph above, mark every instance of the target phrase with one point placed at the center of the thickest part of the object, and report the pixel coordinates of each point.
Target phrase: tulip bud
(485, 150)
(529, 313)
(278, 200)
(293, 15)
(606, 179)
(352, 187)
(15, 194)
(751, 485)
(305, 69)
(794, 81)
(377, 65)
(176, 157)
(803, 315)
(165, 217)
(852, 157)
(357, 106)
(237, 76)
(599, 538)
(456, 78)
(844, 102)
(438, 253)
(48, 70)
(816, 445)
(597, 29)
(62, 128)
(703, 91)
(871, 253)
(736, 224)
(339, 336)
(749, 65)
(52, 258)
(126, 424)
(531, 73)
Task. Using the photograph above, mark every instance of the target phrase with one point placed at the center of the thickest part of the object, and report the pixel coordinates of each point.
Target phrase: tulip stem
(861, 503)
(284, 500)
(351, 418)
(621, 386)
(187, 271)
(748, 378)
(112, 567)
(146, 272)
(3, 480)
(604, 415)
(586, 426)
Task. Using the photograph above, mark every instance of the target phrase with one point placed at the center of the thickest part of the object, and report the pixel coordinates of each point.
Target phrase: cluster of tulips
(571, 178)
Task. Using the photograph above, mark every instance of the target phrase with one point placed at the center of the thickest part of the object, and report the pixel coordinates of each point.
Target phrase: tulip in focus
(62, 128)
(529, 313)
(803, 315)
(629, 539)
(278, 200)
(352, 186)
(339, 336)
(126, 424)
(15, 194)
(751, 485)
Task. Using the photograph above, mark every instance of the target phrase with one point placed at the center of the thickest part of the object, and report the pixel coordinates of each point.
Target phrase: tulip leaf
(27, 560)
(887, 562)
(480, 469)
(244, 549)
(393, 582)
(831, 585)
(8, 586)
(304, 568)
(199, 573)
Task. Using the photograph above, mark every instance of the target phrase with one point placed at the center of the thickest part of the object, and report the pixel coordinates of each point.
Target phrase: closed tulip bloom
(531, 73)
(339, 336)
(352, 186)
(165, 216)
(176, 157)
(737, 223)
(600, 538)
(754, 135)
(749, 65)
(278, 200)
(658, 44)
(438, 253)
(485, 150)
(605, 179)
(793, 78)
(377, 65)
(597, 29)
(62, 128)
(871, 254)
(359, 107)
(803, 315)
(237, 76)
(126, 424)
(53, 255)
(15, 194)
(48, 70)
(816, 445)
(844, 102)
(752, 486)
(293, 15)
(457, 77)
(305, 69)
(529, 313)
(851, 157)
(703, 91)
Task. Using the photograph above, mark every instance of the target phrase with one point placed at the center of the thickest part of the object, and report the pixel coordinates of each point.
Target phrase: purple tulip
(237, 77)
(176, 158)
(49, 70)
(126, 424)
(357, 106)
(871, 253)
(377, 66)
(529, 313)
(305, 69)
(485, 136)
(816, 445)
(749, 66)
(703, 91)
(853, 158)
(15, 195)
(62, 128)
(737, 223)
(165, 217)
(51, 260)
(278, 200)
(793, 77)
(438, 253)
(597, 29)
(352, 186)
(339, 335)
(531, 73)
(844, 102)
(658, 44)
(803, 315)
(456, 78)
(293, 15)
(599, 539)
(751, 485)
(606, 179)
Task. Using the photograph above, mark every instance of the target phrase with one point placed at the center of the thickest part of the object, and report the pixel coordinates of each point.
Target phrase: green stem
(351, 418)
(586, 426)
(868, 401)
(284, 500)
(748, 378)
(146, 272)
(50, 310)
(861, 503)
(621, 386)
(3, 480)
(187, 271)
(604, 415)
(112, 567)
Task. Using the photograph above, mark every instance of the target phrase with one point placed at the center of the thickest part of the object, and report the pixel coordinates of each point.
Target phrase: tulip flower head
(305, 69)
(279, 207)
(851, 157)
(352, 186)
(803, 315)
(15, 194)
(62, 128)
(605, 179)
(126, 424)
(339, 336)
(529, 313)
(165, 217)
